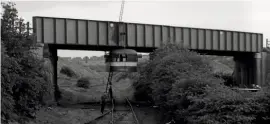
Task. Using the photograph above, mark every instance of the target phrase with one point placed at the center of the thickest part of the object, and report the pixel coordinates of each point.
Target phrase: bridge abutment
(50, 53)
(250, 69)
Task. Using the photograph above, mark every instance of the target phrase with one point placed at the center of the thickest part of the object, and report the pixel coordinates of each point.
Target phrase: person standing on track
(103, 102)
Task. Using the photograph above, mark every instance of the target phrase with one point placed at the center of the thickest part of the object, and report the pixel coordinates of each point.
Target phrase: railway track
(117, 116)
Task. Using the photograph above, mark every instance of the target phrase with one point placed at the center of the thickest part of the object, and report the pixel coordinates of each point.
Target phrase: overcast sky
(250, 16)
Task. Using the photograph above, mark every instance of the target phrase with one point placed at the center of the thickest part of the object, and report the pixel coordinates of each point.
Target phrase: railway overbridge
(78, 34)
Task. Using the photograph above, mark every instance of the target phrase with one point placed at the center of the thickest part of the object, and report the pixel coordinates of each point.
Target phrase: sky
(238, 15)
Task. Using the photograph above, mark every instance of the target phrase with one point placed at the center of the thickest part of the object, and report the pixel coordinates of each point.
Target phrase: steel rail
(134, 114)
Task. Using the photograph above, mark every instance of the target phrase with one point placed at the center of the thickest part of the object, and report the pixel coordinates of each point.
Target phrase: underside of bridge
(249, 66)
(250, 69)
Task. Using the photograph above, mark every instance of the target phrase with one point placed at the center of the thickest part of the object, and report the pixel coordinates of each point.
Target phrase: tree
(23, 78)
(86, 58)
(13, 32)
(181, 84)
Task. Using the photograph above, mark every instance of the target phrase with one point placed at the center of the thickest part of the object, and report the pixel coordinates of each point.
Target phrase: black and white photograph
(135, 62)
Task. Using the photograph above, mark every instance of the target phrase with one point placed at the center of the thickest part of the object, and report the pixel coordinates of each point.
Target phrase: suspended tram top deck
(105, 35)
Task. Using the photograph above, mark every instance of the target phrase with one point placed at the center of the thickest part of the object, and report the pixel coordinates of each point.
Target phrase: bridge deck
(63, 31)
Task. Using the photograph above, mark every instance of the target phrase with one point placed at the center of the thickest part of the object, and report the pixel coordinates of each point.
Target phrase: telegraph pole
(267, 43)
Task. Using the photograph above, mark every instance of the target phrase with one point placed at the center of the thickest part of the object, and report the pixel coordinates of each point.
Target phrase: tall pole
(20, 27)
(267, 43)
(28, 28)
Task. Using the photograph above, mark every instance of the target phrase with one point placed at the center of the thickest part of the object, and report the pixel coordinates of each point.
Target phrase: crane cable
(121, 11)
(122, 34)
(120, 20)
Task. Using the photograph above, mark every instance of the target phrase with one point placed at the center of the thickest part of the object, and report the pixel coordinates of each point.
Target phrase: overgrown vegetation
(180, 82)
(79, 67)
(267, 50)
(83, 82)
(228, 79)
(24, 81)
(68, 71)
(97, 68)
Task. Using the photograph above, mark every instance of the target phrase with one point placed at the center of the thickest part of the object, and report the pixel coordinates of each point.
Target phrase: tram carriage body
(122, 60)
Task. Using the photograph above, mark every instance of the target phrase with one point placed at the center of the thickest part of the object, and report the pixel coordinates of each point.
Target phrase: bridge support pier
(50, 52)
(249, 69)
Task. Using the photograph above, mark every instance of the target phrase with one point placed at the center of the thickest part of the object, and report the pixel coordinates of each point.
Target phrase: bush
(180, 82)
(23, 85)
(268, 67)
(228, 79)
(68, 71)
(97, 68)
(124, 75)
(141, 85)
(223, 105)
(83, 82)
(23, 80)
(166, 67)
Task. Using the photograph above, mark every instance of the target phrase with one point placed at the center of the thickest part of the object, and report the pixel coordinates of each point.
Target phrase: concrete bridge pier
(249, 69)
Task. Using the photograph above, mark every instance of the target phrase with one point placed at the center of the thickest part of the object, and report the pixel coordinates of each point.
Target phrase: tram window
(128, 58)
(115, 58)
(121, 58)
(124, 58)
(131, 58)
(118, 58)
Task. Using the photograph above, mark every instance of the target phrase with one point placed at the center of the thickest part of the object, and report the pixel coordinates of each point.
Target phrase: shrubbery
(124, 75)
(68, 71)
(180, 82)
(268, 66)
(142, 86)
(83, 82)
(228, 79)
(97, 68)
(23, 80)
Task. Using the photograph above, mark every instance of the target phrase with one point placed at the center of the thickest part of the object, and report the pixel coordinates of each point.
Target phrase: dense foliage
(83, 82)
(97, 68)
(24, 82)
(268, 65)
(68, 71)
(180, 82)
(86, 59)
(228, 79)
